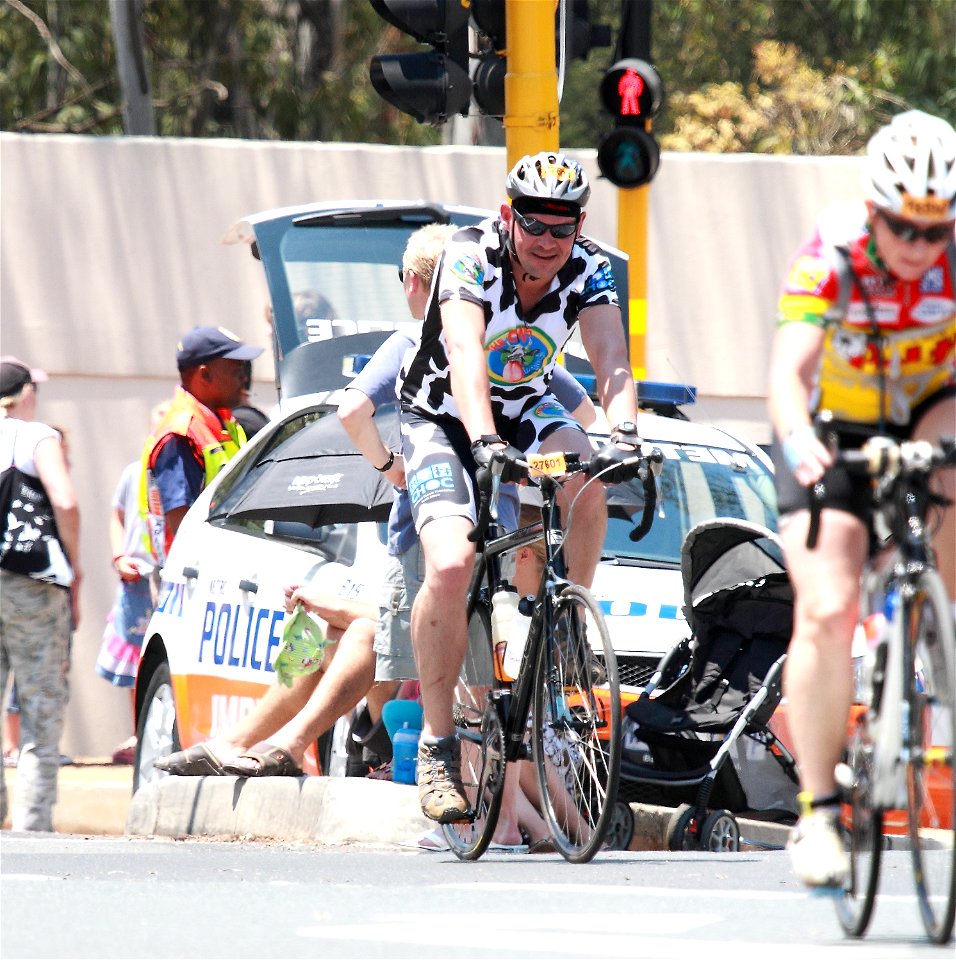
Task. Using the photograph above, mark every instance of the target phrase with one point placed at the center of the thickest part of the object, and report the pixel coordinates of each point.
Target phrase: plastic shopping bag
(303, 645)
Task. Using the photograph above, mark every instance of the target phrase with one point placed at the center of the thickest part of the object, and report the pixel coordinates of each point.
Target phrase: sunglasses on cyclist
(910, 233)
(560, 231)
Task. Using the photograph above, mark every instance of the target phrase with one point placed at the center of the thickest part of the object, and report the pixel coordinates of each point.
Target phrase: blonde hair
(423, 249)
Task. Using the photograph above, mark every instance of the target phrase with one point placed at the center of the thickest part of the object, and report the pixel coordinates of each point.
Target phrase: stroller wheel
(620, 830)
(679, 835)
(720, 832)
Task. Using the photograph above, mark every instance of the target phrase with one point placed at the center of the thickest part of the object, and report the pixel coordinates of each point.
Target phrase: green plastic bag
(303, 645)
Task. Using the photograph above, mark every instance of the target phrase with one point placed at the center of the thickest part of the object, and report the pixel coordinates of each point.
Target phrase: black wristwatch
(388, 463)
(628, 427)
(486, 440)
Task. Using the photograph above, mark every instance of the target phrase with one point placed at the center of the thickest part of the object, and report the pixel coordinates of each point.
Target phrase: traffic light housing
(632, 92)
(488, 87)
(428, 85)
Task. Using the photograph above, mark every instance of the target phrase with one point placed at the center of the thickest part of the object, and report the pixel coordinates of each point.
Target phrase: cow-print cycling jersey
(520, 348)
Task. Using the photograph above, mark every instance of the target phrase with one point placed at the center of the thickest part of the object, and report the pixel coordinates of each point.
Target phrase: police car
(298, 504)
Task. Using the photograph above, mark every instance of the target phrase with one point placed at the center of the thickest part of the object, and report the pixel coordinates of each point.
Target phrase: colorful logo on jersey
(808, 274)
(549, 409)
(602, 280)
(932, 281)
(469, 270)
(518, 355)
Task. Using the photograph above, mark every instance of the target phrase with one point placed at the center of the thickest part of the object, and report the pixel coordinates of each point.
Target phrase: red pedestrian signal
(632, 92)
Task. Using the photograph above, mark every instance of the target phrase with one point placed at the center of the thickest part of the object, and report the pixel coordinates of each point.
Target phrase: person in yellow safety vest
(198, 435)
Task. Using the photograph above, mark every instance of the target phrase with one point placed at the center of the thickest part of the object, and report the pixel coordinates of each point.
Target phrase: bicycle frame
(514, 705)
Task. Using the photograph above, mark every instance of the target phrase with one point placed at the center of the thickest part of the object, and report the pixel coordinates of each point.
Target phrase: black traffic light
(489, 79)
(429, 85)
(583, 35)
(632, 92)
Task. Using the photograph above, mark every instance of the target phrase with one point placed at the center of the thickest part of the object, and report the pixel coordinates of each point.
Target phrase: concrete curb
(340, 810)
(333, 811)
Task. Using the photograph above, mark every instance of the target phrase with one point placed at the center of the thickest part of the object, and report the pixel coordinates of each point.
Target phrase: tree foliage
(803, 76)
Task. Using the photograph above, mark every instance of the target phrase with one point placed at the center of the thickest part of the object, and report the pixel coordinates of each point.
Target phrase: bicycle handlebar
(882, 458)
(644, 466)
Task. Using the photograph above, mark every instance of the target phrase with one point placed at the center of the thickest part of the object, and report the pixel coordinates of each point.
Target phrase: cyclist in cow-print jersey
(506, 297)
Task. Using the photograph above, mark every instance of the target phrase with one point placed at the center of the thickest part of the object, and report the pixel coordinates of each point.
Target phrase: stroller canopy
(725, 552)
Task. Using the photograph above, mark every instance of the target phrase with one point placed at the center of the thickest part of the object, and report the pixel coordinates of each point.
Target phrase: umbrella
(316, 477)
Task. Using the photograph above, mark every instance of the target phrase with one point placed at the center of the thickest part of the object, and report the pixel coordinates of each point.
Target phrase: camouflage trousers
(34, 637)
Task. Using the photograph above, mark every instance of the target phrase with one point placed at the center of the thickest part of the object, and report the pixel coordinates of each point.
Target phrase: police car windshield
(697, 483)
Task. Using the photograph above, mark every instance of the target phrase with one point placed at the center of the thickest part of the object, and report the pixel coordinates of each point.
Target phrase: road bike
(897, 782)
(567, 681)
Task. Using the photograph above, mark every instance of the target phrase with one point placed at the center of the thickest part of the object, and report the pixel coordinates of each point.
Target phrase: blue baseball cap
(203, 344)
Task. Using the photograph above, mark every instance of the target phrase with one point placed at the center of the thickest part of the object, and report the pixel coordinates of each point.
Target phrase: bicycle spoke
(930, 774)
(576, 730)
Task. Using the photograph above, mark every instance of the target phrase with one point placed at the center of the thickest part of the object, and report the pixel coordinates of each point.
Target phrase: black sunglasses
(910, 233)
(560, 231)
(401, 275)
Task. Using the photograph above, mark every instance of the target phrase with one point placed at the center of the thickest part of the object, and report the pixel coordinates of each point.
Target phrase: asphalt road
(106, 897)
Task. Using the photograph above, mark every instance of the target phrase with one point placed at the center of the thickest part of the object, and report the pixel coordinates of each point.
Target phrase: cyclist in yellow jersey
(866, 329)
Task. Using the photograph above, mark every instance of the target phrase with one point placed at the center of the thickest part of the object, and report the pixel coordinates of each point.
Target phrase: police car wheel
(157, 734)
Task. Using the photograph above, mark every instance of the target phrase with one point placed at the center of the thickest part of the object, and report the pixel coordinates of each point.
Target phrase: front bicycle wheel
(576, 726)
(861, 827)
(478, 721)
(931, 786)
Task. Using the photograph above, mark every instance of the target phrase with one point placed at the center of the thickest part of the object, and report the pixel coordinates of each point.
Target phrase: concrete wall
(110, 248)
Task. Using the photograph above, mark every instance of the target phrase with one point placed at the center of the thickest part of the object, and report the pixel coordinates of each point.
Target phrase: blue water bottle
(405, 754)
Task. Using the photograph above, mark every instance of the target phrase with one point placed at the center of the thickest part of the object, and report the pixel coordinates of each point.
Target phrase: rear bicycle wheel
(931, 786)
(861, 827)
(478, 722)
(576, 726)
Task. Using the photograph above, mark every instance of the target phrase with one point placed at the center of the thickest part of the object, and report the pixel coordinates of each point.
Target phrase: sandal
(270, 761)
(197, 761)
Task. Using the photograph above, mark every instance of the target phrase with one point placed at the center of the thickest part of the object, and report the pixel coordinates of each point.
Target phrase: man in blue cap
(198, 435)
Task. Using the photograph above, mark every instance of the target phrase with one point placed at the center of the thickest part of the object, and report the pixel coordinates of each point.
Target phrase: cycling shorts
(850, 493)
(439, 468)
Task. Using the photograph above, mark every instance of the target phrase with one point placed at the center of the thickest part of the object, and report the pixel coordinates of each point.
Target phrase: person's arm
(53, 473)
(794, 361)
(335, 611)
(602, 334)
(124, 566)
(357, 414)
(463, 324)
(572, 396)
(179, 477)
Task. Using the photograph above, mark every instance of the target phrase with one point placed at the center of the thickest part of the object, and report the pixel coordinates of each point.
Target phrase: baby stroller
(714, 688)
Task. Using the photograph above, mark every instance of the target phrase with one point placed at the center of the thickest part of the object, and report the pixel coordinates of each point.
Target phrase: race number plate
(552, 464)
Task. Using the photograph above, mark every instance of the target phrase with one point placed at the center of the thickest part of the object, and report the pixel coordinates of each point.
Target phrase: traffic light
(429, 85)
(583, 35)
(632, 92)
(489, 80)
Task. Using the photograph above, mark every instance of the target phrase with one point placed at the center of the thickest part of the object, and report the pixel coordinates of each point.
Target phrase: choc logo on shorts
(437, 479)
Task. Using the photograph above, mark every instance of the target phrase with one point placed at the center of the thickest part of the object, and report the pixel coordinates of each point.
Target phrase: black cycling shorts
(850, 493)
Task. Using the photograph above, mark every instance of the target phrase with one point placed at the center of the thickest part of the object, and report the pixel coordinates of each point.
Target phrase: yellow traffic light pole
(632, 209)
(531, 84)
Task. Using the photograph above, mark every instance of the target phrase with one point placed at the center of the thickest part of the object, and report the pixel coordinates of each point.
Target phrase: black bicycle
(899, 761)
(567, 681)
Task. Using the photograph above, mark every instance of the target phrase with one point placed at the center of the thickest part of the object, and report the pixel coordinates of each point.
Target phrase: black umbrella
(316, 477)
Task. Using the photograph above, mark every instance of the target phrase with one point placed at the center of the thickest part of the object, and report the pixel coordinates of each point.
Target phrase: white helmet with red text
(910, 167)
(548, 177)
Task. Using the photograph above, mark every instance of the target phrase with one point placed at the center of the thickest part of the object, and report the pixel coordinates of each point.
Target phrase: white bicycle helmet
(913, 159)
(549, 176)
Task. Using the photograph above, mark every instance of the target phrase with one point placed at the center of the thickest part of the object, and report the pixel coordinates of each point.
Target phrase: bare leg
(439, 630)
(589, 519)
(938, 422)
(818, 678)
(347, 679)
